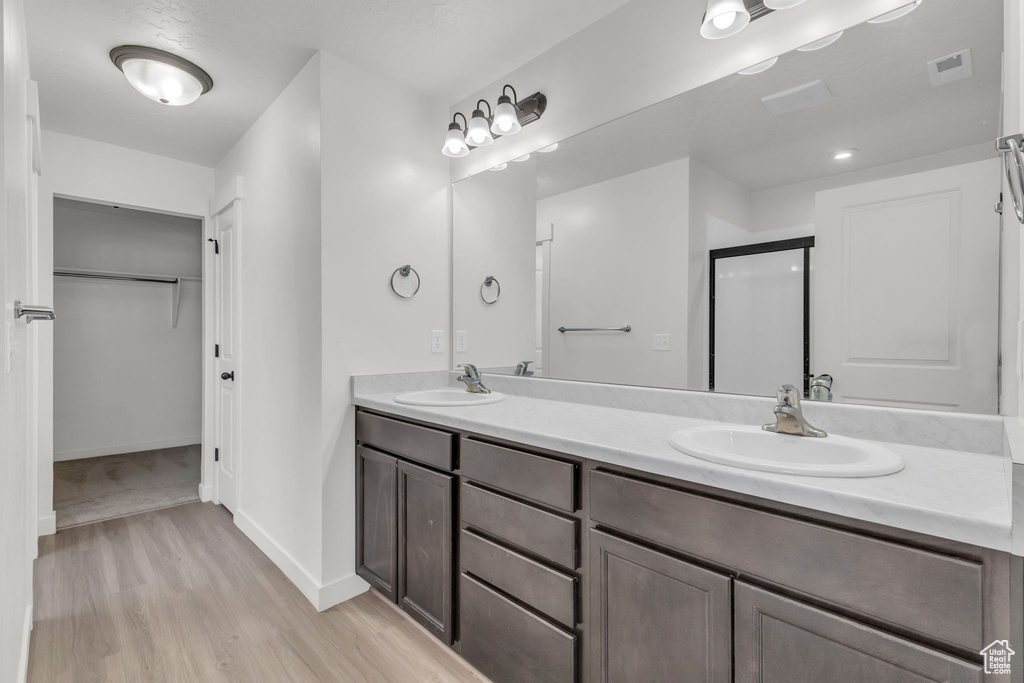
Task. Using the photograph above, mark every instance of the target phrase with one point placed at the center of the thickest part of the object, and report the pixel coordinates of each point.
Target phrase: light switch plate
(461, 345)
(437, 341)
(662, 342)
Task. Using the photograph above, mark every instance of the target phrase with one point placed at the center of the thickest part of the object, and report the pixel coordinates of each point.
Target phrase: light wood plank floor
(181, 595)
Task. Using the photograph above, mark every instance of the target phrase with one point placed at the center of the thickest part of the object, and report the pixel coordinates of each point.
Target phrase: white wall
(385, 204)
(494, 232)
(620, 257)
(17, 447)
(125, 380)
(634, 57)
(85, 169)
(279, 369)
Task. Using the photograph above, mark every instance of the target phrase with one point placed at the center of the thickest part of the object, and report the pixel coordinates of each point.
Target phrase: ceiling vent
(955, 67)
(803, 97)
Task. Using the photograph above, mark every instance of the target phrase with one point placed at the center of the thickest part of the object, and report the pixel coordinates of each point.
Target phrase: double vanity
(550, 536)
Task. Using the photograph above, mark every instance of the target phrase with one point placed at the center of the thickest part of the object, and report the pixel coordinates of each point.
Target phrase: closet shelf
(174, 280)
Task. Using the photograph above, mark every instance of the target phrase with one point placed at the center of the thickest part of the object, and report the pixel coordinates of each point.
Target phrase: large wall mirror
(830, 216)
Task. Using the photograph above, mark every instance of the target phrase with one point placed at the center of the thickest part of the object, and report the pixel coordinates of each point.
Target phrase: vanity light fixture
(161, 76)
(822, 43)
(455, 142)
(550, 148)
(507, 118)
(844, 154)
(724, 18)
(479, 133)
(896, 13)
(782, 4)
(759, 68)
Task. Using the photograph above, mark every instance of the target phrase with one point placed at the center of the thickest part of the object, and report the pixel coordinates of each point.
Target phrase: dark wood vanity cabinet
(552, 569)
(404, 518)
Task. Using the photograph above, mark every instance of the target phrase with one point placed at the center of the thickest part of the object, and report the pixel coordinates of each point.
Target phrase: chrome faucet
(472, 380)
(789, 419)
(523, 369)
(821, 388)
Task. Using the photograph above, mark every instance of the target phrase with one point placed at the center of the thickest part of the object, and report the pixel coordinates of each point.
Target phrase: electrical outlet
(437, 341)
(662, 343)
(461, 346)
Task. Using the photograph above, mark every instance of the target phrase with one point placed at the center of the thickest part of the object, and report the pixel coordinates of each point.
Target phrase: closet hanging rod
(626, 328)
(123, 277)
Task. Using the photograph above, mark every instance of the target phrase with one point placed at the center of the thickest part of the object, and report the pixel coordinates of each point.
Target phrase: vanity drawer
(547, 481)
(544, 533)
(937, 595)
(510, 643)
(429, 446)
(548, 590)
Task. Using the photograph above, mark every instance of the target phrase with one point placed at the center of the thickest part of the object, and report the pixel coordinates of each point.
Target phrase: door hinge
(216, 455)
(216, 245)
(216, 350)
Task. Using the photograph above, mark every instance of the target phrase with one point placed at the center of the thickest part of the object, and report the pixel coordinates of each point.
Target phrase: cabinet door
(779, 640)
(425, 547)
(376, 523)
(656, 618)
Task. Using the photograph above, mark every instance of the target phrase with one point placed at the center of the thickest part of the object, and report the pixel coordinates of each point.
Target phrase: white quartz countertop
(953, 495)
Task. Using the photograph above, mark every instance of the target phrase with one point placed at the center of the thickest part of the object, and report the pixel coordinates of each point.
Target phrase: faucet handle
(788, 395)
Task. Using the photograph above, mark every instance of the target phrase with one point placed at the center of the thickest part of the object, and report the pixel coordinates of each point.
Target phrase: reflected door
(907, 290)
(760, 333)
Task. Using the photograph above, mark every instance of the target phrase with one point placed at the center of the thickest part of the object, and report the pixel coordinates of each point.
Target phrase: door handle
(31, 313)
(228, 375)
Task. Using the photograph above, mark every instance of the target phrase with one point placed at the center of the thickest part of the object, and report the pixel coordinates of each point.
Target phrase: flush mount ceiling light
(844, 154)
(782, 4)
(758, 68)
(724, 18)
(161, 76)
(896, 13)
(819, 44)
(508, 118)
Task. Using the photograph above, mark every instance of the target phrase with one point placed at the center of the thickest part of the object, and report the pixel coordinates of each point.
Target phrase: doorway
(127, 353)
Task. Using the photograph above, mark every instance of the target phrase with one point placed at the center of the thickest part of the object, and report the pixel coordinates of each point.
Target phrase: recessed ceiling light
(896, 13)
(499, 167)
(522, 158)
(818, 44)
(161, 76)
(844, 154)
(758, 68)
(549, 148)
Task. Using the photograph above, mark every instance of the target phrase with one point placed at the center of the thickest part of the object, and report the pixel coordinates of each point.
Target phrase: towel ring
(405, 271)
(488, 281)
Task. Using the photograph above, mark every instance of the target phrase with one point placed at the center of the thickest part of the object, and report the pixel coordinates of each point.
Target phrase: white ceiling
(885, 106)
(253, 48)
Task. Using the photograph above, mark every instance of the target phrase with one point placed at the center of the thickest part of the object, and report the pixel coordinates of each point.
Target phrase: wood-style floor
(181, 595)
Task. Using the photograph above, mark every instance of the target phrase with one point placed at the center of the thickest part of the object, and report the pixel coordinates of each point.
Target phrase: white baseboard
(26, 640)
(206, 493)
(48, 524)
(60, 456)
(340, 590)
(321, 596)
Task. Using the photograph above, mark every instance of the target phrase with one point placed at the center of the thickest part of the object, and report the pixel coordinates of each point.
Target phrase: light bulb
(455, 142)
(478, 134)
(724, 21)
(506, 120)
(161, 82)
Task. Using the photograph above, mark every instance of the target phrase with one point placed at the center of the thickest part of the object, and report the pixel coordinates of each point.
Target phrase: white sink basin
(752, 448)
(448, 397)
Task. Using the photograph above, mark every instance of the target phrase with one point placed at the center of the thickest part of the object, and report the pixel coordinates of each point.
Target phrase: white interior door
(906, 285)
(226, 365)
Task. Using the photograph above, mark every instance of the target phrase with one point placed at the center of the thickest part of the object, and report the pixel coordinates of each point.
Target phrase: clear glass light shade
(724, 18)
(896, 13)
(819, 44)
(782, 4)
(455, 144)
(479, 135)
(506, 121)
(161, 82)
(758, 68)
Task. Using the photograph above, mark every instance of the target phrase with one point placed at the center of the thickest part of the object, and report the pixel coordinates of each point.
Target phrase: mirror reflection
(826, 223)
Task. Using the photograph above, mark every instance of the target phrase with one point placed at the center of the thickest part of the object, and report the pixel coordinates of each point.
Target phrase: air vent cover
(951, 68)
(802, 97)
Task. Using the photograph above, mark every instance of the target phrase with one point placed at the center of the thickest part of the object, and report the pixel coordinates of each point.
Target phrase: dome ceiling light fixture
(161, 76)
(507, 118)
